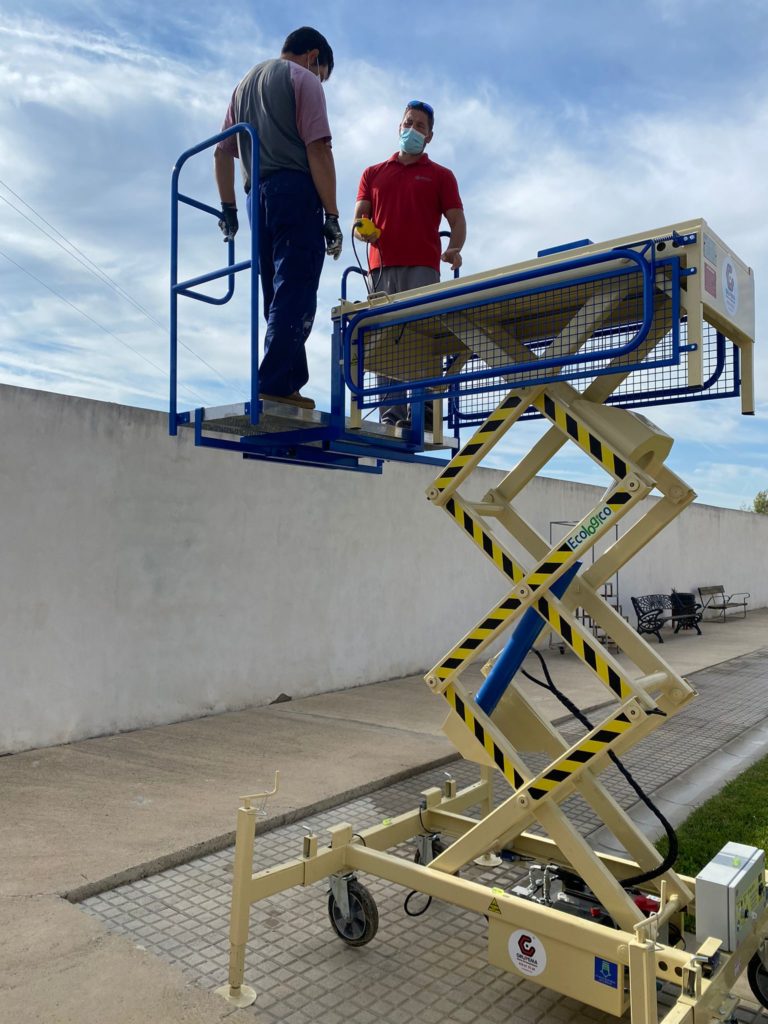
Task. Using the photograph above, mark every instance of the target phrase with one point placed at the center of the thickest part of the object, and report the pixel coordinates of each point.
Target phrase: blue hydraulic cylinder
(517, 647)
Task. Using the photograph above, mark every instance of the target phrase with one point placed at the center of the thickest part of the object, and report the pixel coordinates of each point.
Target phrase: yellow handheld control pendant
(367, 230)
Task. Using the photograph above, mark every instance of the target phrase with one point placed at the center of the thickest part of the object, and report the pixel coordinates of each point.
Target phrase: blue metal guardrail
(330, 442)
(485, 379)
(185, 288)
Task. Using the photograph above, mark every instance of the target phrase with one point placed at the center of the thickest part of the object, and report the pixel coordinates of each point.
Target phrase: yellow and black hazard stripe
(556, 559)
(583, 437)
(491, 547)
(484, 437)
(590, 653)
(481, 734)
(575, 759)
(482, 633)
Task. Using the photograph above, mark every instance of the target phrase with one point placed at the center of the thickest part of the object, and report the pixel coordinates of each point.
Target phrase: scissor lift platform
(665, 315)
(601, 929)
(668, 314)
(280, 417)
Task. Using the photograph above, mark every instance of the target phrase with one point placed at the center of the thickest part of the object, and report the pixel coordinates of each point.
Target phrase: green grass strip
(738, 813)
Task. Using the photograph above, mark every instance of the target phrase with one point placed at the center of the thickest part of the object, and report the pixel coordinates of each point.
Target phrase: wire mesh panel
(669, 384)
(662, 380)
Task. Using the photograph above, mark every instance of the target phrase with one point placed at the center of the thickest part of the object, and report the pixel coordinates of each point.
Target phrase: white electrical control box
(730, 894)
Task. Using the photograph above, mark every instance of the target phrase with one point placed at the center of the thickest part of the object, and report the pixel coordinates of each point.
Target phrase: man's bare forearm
(458, 224)
(323, 171)
(224, 174)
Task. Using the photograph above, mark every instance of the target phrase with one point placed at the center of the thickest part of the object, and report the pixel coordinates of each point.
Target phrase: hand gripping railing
(185, 288)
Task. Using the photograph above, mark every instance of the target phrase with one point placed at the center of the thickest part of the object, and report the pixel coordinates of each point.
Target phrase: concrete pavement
(80, 818)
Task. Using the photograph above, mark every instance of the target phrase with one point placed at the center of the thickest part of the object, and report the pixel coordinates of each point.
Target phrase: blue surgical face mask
(411, 141)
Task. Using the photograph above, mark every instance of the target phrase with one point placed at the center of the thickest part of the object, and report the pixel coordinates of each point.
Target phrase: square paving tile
(430, 968)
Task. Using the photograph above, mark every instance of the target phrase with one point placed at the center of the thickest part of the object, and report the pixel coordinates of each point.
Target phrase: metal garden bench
(656, 610)
(716, 600)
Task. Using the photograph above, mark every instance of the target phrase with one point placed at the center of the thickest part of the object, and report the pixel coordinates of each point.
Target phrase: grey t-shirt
(285, 104)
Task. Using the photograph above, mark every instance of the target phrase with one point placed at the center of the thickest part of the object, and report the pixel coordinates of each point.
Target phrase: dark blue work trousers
(291, 253)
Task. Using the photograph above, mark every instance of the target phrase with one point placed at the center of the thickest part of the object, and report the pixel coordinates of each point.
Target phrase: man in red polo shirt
(406, 197)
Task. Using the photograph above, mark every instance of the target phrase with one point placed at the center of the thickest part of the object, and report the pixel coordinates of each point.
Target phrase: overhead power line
(96, 323)
(101, 275)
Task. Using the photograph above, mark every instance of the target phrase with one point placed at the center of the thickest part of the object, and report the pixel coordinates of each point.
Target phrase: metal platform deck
(279, 417)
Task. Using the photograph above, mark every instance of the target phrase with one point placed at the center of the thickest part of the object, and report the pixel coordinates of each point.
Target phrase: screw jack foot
(244, 995)
(488, 860)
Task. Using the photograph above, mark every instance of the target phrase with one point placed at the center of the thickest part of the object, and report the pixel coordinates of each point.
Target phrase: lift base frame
(572, 951)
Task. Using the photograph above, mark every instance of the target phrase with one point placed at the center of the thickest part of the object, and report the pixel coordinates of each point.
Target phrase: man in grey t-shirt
(283, 100)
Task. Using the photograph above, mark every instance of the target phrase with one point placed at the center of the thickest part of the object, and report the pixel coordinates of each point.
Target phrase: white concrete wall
(146, 581)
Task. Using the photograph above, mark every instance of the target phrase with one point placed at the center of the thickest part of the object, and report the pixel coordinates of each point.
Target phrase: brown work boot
(295, 399)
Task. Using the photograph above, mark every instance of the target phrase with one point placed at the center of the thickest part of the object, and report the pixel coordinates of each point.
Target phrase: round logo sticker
(730, 287)
(527, 952)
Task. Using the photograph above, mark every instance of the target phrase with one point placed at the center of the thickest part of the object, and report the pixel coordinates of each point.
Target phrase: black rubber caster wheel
(363, 921)
(757, 975)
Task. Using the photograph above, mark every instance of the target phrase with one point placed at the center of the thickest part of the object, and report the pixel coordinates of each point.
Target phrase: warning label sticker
(493, 907)
(710, 281)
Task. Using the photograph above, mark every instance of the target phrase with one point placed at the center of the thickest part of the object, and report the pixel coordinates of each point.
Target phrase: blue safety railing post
(338, 391)
(255, 170)
(185, 287)
(173, 368)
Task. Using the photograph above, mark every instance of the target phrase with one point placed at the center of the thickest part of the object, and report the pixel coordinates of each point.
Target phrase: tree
(760, 504)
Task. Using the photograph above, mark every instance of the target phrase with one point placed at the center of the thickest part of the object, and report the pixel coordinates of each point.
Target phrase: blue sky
(561, 120)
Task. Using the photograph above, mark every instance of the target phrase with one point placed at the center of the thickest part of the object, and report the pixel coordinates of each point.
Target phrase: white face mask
(412, 141)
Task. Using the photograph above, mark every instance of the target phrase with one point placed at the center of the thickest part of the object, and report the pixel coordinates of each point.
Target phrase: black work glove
(228, 222)
(333, 235)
